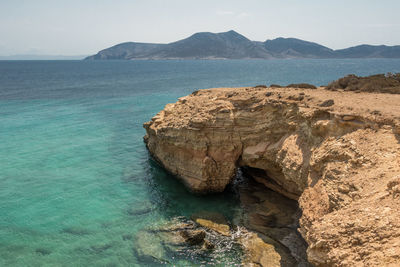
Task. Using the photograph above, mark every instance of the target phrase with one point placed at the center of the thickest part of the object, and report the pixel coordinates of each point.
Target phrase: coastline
(326, 156)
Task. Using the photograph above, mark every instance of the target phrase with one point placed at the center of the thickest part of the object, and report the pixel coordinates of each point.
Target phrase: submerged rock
(100, 248)
(148, 247)
(212, 220)
(182, 239)
(127, 237)
(43, 251)
(140, 209)
(193, 237)
(223, 229)
(208, 244)
(75, 231)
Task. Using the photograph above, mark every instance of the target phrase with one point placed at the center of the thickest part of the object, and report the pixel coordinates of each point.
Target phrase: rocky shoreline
(263, 233)
(336, 153)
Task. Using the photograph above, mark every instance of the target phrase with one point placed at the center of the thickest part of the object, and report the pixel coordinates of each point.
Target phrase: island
(232, 45)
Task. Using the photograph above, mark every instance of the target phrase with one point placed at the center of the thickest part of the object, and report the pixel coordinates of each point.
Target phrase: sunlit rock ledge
(337, 153)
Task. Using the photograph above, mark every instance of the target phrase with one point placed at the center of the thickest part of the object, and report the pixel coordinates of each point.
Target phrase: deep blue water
(75, 177)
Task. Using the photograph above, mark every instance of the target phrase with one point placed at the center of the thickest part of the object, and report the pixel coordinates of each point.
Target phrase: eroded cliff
(337, 153)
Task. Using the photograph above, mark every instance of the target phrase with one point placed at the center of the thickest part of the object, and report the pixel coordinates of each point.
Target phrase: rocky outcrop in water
(187, 243)
(341, 161)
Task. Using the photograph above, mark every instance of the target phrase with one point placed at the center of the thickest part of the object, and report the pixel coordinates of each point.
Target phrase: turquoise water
(75, 177)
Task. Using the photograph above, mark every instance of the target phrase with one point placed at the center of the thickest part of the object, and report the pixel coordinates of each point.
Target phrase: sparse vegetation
(302, 85)
(275, 86)
(379, 83)
(327, 103)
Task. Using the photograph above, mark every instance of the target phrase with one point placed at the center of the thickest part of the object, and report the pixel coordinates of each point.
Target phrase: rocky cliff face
(340, 159)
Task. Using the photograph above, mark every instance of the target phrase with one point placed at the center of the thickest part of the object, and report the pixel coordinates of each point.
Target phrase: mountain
(42, 57)
(128, 50)
(232, 45)
(369, 51)
(296, 48)
(203, 45)
(226, 45)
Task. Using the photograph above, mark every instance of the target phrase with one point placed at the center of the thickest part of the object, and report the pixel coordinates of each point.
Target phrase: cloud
(225, 13)
(243, 15)
(240, 15)
(382, 25)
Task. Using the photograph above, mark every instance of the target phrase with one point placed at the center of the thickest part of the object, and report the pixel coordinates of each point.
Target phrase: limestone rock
(339, 163)
(212, 220)
(261, 253)
(223, 229)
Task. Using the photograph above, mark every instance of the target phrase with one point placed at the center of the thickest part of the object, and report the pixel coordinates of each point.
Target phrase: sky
(83, 27)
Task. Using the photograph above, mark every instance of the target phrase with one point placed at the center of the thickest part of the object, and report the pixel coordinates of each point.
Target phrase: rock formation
(188, 243)
(341, 161)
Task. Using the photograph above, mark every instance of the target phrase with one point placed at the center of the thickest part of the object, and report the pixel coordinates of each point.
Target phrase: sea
(77, 185)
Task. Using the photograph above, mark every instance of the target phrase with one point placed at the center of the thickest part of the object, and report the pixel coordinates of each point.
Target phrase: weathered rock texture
(275, 219)
(341, 162)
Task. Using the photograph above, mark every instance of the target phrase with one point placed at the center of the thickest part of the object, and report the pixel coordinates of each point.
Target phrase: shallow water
(75, 177)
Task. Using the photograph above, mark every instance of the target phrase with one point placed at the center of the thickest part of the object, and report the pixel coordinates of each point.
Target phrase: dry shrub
(275, 86)
(302, 85)
(378, 83)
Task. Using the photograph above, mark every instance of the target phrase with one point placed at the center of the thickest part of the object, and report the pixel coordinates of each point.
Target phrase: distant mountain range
(42, 57)
(232, 45)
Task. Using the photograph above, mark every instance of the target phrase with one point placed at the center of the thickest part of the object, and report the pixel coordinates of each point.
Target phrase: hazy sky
(80, 27)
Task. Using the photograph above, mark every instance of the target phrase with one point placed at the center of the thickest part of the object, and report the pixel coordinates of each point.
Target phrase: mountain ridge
(232, 45)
